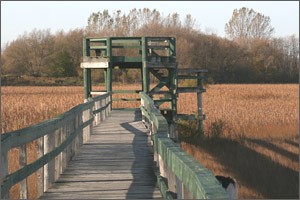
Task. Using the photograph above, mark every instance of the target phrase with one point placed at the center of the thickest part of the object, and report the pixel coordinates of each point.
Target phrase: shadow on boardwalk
(144, 181)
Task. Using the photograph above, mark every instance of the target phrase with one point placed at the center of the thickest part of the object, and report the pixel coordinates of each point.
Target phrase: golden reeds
(260, 121)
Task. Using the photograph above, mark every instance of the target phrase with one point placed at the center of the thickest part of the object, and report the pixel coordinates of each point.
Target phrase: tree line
(249, 53)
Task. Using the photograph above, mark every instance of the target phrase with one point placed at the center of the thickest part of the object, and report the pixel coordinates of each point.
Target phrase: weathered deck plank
(116, 163)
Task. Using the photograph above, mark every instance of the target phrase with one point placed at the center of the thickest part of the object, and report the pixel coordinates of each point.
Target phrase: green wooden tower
(156, 59)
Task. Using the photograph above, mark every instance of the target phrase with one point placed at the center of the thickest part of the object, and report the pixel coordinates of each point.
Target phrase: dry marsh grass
(251, 134)
(25, 106)
(256, 128)
(249, 110)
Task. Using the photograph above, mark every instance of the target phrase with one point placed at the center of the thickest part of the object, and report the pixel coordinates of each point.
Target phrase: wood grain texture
(116, 163)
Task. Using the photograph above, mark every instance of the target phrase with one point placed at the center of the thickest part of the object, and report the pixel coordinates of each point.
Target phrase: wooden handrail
(186, 178)
(58, 140)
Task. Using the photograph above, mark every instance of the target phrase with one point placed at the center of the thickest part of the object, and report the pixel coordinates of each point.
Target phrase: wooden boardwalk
(116, 163)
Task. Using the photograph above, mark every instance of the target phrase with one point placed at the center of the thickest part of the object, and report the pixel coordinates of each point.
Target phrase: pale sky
(18, 17)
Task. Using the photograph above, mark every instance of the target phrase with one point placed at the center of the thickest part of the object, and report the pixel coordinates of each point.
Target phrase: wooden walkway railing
(58, 140)
(179, 176)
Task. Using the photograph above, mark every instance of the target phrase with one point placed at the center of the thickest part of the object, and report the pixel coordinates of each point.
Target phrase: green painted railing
(178, 174)
(58, 140)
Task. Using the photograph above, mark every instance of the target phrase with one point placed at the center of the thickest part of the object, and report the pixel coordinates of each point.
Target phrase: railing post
(97, 119)
(106, 100)
(77, 138)
(69, 153)
(102, 113)
(40, 172)
(49, 169)
(173, 133)
(73, 127)
(80, 135)
(109, 107)
(142, 105)
(85, 131)
(57, 159)
(23, 162)
(180, 189)
(155, 154)
(64, 152)
(171, 179)
(90, 127)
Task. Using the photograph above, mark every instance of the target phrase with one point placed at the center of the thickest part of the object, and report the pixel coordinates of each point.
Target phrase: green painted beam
(126, 99)
(98, 47)
(125, 59)
(190, 77)
(126, 91)
(126, 46)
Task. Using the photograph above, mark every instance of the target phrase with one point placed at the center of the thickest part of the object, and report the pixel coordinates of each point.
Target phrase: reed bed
(251, 131)
(251, 134)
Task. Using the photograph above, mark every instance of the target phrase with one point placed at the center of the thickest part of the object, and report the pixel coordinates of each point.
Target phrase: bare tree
(245, 23)
(29, 53)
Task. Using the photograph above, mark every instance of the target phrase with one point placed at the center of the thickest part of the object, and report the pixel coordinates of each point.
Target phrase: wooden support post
(171, 180)
(199, 101)
(174, 93)
(73, 128)
(145, 71)
(90, 127)
(109, 107)
(106, 100)
(85, 131)
(142, 76)
(152, 132)
(40, 172)
(102, 113)
(86, 84)
(49, 169)
(86, 115)
(179, 189)
(80, 134)
(69, 128)
(86, 72)
(173, 133)
(97, 119)
(57, 159)
(162, 168)
(23, 162)
(98, 114)
(64, 152)
(109, 78)
(109, 69)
